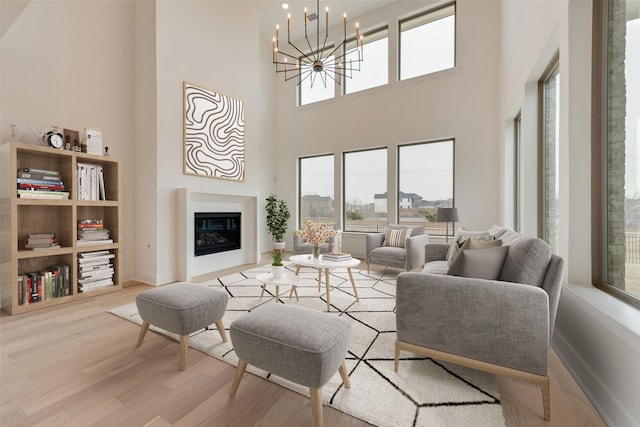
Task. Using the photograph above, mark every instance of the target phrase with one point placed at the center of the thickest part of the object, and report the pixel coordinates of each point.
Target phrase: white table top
(306, 260)
(287, 278)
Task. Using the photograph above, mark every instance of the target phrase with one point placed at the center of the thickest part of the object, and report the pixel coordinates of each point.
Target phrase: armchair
(300, 246)
(410, 256)
(490, 325)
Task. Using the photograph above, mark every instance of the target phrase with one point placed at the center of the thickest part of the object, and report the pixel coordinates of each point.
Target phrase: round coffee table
(285, 280)
(320, 264)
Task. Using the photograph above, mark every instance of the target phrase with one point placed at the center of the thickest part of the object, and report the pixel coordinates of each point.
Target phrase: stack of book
(336, 257)
(95, 270)
(90, 182)
(40, 184)
(53, 282)
(92, 232)
(42, 241)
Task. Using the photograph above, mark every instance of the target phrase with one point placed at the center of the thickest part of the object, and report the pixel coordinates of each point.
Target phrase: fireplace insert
(216, 232)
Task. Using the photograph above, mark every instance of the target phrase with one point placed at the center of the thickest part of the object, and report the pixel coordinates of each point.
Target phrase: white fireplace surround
(191, 201)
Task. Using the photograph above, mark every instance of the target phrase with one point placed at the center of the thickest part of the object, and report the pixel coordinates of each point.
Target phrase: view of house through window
(374, 70)
(365, 190)
(316, 189)
(551, 165)
(425, 183)
(428, 42)
(622, 165)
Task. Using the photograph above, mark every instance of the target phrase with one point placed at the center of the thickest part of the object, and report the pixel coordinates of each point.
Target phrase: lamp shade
(447, 215)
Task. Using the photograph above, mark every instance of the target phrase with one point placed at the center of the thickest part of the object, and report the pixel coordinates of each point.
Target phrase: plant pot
(277, 271)
(278, 245)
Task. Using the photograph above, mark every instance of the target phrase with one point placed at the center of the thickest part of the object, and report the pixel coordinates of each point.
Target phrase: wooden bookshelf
(20, 217)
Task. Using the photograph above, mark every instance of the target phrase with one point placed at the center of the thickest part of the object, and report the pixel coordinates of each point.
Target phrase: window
(517, 142)
(425, 183)
(550, 157)
(317, 86)
(316, 189)
(365, 190)
(374, 69)
(428, 42)
(620, 150)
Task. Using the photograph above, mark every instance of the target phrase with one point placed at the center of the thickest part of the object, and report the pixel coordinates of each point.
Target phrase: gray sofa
(501, 325)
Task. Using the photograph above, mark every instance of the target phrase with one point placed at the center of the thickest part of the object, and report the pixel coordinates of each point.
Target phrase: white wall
(215, 45)
(460, 103)
(69, 64)
(596, 335)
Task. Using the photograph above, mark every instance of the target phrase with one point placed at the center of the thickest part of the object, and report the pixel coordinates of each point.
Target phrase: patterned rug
(424, 392)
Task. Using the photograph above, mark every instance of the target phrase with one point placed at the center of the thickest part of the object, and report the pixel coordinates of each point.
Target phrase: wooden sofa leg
(184, 345)
(143, 332)
(344, 375)
(242, 366)
(221, 330)
(546, 398)
(316, 406)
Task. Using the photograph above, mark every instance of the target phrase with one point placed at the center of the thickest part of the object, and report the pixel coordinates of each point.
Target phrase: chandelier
(323, 61)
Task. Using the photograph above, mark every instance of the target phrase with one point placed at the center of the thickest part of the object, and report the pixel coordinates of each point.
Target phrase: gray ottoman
(182, 308)
(299, 344)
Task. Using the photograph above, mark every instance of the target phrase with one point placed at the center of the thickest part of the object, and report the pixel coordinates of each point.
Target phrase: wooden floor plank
(76, 363)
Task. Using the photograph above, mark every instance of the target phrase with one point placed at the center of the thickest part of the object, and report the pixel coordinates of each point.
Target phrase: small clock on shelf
(53, 138)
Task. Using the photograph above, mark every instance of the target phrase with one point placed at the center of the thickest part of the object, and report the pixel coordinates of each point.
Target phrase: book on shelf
(29, 181)
(90, 182)
(43, 194)
(49, 283)
(336, 257)
(42, 235)
(42, 247)
(42, 174)
(49, 187)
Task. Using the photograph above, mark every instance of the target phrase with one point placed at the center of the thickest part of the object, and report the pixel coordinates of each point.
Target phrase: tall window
(428, 42)
(374, 70)
(622, 148)
(316, 189)
(365, 190)
(425, 183)
(323, 84)
(550, 153)
(517, 143)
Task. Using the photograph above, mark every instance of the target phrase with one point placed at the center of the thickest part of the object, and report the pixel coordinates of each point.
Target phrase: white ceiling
(272, 13)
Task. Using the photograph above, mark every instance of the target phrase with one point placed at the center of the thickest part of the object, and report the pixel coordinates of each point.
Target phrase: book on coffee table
(336, 257)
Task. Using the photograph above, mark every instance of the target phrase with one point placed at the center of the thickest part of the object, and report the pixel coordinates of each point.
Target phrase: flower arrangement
(316, 233)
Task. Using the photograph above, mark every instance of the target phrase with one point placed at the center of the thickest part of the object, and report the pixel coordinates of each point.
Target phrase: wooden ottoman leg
(184, 345)
(220, 327)
(316, 406)
(143, 331)
(242, 366)
(344, 375)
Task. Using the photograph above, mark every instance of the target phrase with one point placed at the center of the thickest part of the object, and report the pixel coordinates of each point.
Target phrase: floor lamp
(447, 215)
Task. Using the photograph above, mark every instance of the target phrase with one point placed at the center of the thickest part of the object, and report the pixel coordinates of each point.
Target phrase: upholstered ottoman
(299, 344)
(182, 308)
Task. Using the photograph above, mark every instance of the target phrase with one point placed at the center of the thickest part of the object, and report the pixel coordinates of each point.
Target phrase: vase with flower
(316, 234)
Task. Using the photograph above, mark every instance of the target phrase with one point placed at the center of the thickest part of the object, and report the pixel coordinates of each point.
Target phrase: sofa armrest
(436, 252)
(415, 250)
(372, 241)
(497, 322)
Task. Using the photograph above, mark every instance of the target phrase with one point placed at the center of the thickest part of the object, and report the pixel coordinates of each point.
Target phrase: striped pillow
(396, 237)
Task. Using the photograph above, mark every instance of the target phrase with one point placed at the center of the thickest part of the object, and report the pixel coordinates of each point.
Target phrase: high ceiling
(272, 13)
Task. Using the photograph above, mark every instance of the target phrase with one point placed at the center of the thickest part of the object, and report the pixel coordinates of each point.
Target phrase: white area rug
(424, 392)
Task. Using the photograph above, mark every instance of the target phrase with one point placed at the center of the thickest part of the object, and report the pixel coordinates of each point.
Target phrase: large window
(621, 149)
(428, 42)
(425, 183)
(374, 70)
(517, 143)
(365, 190)
(550, 153)
(316, 189)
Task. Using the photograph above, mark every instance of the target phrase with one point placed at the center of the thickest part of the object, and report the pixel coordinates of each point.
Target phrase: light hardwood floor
(76, 365)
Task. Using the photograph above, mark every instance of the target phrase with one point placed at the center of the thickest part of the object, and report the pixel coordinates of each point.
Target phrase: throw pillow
(480, 263)
(476, 243)
(461, 236)
(396, 237)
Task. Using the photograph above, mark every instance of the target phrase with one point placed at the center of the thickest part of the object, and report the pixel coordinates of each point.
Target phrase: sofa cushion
(475, 243)
(461, 236)
(396, 237)
(479, 263)
(436, 267)
(527, 261)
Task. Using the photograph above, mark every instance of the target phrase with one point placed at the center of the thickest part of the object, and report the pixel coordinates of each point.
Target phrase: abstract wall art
(214, 143)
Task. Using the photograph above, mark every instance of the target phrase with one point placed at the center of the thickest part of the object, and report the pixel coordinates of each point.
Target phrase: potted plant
(277, 217)
(277, 267)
